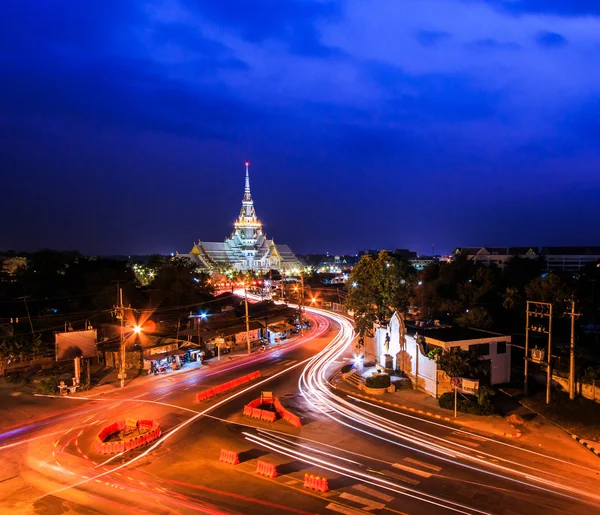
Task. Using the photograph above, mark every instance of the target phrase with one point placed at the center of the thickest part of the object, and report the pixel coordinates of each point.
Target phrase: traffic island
(267, 408)
(123, 436)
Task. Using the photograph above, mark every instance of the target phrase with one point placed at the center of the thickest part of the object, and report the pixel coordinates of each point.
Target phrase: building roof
(454, 334)
(496, 251)
(571, 251)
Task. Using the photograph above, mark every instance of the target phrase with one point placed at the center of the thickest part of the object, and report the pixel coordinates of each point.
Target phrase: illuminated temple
(247, 248)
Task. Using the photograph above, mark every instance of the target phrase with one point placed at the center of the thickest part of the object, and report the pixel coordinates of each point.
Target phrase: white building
(499, 256)
(410, 353)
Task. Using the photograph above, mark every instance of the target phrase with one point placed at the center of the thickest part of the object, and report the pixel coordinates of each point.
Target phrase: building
(421, 262)
(246, 249)
(570, 259)
(393, 345)
(498, 256)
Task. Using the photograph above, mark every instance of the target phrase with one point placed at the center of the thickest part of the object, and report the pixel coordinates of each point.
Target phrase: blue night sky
(124, 125)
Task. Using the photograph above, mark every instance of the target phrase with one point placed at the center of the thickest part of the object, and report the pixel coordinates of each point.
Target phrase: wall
(500, 363)
(422, 371)
(412, 360)
(587, 391)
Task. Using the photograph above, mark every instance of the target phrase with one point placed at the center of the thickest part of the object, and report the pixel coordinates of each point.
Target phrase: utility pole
(549, 358)
(247, 319)
(526, 365)
(573, 315)
(542, 310)
(122, 337)
(301, 303)
(283, 284)
(28, 315)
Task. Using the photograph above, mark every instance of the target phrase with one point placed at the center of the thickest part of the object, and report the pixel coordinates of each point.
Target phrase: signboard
(464, 385)
(161, 349)
(76, 344)
(241, 337)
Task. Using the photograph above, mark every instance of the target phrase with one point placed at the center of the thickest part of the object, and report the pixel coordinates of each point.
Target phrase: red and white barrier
(225, 387)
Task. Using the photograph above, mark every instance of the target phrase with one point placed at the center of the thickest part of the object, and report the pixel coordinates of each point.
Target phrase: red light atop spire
(247, 163)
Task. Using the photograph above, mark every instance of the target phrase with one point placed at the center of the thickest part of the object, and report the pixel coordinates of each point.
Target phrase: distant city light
(354, 285)
(420, 283)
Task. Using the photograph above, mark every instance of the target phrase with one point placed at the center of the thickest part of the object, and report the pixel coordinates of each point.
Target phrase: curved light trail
(315, 387)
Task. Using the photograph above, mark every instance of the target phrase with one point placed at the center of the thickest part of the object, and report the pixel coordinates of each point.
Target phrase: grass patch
(579, 416)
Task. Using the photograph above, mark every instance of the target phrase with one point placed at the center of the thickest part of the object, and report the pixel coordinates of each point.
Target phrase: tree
(377, 286)
(476, 317)
(181, 284)
(551, 288)
(512, 298)
(459, 363)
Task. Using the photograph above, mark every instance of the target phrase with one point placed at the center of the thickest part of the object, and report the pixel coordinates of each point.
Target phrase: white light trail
(314, 386)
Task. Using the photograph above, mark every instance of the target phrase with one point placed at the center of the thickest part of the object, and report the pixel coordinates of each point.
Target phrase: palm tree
(459, 363)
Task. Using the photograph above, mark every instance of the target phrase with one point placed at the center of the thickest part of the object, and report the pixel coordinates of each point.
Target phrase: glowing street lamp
(137, 329)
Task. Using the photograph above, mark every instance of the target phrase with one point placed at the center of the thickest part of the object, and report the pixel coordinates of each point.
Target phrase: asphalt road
(375, 459)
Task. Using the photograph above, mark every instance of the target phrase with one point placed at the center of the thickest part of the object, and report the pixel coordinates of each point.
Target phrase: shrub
(48, 386)
(466, 404)
(347, 368)
(380, 381)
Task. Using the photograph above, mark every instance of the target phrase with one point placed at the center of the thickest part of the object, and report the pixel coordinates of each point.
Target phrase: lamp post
(247, 319)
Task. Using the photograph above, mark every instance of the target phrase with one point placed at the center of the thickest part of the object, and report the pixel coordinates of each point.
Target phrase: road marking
(463, 442)
(469, 435)
(370, 505)
(400, 477)
(373, 493)
(423, 464)
(346, 510)
(291, 482)
(406, 468)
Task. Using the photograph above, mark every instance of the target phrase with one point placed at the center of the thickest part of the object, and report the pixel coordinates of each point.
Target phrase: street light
(137, 329)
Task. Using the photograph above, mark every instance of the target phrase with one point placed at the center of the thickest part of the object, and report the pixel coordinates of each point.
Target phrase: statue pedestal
(387, 362)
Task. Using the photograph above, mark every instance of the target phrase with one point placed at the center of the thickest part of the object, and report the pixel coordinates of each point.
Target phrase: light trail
(363, 477)
(171, 433)
(315, 387)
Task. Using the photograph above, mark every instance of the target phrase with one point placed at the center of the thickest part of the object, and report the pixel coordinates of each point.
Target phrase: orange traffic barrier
(264, 468)
(317, 483)
(229, 457)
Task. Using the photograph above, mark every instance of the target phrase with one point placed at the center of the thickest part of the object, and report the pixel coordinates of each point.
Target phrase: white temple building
(247, 248)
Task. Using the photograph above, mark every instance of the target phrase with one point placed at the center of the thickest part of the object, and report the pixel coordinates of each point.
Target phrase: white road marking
(412, 470)
(469, 435)
(373, 493)
(400, 477)
(370, 505)
(343, 509)
(423, 464)
(461, 441)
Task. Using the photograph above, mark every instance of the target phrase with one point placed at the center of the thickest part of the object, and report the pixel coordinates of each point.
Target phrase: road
(374, 458)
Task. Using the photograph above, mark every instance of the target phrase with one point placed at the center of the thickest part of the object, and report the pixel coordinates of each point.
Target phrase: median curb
(586, 444)
(435, 416)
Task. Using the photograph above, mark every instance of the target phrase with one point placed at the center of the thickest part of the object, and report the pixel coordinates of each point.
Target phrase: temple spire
(247, 195)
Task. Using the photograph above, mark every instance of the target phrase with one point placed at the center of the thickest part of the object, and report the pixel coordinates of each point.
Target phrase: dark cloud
(559, 7)
(211, 53)
(548, 39)
(493, 44)
(292, 22)
(431, 38)
(95, 130)
(433, 97)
